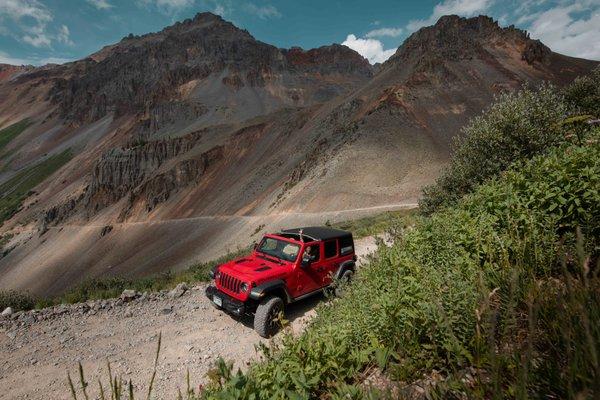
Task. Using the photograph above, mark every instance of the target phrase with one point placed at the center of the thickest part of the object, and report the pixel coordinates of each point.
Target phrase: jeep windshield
(278, 248)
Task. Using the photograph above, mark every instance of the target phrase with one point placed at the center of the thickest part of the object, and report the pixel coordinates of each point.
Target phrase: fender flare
(277, 285)
(346, 265)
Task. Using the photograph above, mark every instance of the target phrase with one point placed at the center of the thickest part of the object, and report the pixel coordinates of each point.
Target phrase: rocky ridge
(146, 72)
(455, 38)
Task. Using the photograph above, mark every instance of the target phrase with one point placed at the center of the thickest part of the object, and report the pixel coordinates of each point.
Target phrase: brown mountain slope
(187, 140)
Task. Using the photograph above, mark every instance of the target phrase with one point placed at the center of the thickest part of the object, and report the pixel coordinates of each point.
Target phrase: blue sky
(43, 31)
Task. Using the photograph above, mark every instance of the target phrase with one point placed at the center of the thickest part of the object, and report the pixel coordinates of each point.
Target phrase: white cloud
(37, 40)
(381, 32)
(371, 49)
(17, 10)
(559, 29)
(63, 35)
(100, 4)
(220, 10)
(168, 6)
(263, 12)
(465, 8)
(51, 60)
(7, 59)
(32, 18)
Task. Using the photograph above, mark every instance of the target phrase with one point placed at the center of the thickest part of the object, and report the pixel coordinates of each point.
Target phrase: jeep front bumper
(228, 303)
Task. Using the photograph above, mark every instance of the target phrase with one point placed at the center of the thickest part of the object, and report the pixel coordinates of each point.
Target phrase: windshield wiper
(275, 260)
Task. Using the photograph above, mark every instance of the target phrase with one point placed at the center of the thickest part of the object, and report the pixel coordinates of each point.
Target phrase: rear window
(331, 248)
(346, 245)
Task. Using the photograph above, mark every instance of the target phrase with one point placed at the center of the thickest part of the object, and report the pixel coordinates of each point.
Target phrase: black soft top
(317, 232)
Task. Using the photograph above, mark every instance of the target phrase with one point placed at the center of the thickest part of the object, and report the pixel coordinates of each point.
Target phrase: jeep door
(308, 277)
(330, 262)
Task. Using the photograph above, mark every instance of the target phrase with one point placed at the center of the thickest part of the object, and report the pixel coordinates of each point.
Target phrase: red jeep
(283, 268)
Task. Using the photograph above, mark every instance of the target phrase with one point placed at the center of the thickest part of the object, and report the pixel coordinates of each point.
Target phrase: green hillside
(14, 191)
(9, 133)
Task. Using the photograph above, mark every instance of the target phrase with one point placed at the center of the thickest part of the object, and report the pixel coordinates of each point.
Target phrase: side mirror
(255, 245)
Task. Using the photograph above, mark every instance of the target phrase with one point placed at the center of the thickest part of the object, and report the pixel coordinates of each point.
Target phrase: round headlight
(244, 287)
(217, 275)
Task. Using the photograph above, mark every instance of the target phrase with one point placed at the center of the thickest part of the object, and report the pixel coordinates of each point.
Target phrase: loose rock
(128, 295)
(179, 290)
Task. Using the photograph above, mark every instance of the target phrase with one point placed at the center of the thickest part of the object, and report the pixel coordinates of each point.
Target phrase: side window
(331, 248)
(313, 252)
(346, 245)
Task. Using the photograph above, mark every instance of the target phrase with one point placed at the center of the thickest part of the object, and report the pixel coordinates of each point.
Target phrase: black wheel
(266, 318)
(342, 282)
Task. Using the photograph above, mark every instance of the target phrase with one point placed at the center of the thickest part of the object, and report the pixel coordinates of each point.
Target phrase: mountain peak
(454, 38)
(334, 57)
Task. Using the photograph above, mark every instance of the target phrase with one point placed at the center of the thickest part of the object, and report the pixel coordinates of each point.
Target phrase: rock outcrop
(146, 72)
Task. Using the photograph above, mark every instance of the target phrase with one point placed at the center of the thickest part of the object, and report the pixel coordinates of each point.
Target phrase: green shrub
(516, 127)
(16, 300)
(583, 95)
(377, 223)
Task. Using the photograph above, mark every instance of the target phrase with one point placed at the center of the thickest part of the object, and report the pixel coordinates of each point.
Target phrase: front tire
(266, 318)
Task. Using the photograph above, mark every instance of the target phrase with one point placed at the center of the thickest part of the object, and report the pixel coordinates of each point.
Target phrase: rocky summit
(172, 147)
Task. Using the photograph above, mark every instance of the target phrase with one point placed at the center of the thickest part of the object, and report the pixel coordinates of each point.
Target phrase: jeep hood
(255, 268)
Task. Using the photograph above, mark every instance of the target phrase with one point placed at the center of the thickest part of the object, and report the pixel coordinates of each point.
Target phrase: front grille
(230, 283)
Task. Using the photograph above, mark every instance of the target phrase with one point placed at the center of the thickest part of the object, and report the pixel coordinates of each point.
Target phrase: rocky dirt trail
(38, 348)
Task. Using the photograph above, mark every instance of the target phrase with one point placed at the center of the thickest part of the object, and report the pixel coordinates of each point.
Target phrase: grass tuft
(14, 191)
(11, 132)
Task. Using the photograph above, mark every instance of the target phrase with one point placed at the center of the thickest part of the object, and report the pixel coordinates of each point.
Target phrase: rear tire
(344, 280)
(266, 318)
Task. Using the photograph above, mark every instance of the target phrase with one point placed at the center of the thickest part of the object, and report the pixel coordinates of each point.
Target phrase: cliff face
(188, 139)
(142, 73)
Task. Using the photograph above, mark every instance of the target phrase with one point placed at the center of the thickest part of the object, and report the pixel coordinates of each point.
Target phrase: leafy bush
(18, 301)
(517, 126)
(452, 290)
(377, 223)
(584, 94)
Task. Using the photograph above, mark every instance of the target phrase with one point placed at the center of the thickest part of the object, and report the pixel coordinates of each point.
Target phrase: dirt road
(36, 355)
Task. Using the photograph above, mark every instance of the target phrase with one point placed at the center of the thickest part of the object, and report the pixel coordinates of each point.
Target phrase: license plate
(218, 301)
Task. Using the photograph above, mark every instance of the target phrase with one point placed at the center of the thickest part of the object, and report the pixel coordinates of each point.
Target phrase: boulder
(7, 311)
(179, 290)
(128, 295)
